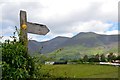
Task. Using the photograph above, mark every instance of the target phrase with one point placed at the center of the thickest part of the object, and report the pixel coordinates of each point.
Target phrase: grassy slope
(83, 71)
(79, 51)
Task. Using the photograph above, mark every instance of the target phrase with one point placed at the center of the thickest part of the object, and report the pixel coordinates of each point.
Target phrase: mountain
(90, 39)
(46, 46)
(53, 44)
(84, 39)
(34, 46)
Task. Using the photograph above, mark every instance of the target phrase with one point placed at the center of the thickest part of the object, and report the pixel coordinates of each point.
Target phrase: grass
(82, 71)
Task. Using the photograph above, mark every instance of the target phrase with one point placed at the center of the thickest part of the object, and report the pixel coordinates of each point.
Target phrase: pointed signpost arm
(23, 29)
(36, 28)
(28, 27)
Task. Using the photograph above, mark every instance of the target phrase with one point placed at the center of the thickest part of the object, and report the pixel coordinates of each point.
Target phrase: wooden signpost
(28, 27)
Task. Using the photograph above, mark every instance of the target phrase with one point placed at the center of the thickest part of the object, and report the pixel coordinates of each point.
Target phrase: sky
(62, 17)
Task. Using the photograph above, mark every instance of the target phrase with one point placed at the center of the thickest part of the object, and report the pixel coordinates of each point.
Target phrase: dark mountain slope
(53, 44)
(34, 46)
(85, 39)
(88, 39)
(47, 46)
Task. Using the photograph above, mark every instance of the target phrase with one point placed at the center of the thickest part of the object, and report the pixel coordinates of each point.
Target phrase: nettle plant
(16, 63)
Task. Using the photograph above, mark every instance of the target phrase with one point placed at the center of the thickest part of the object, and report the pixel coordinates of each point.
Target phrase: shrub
(16, 63)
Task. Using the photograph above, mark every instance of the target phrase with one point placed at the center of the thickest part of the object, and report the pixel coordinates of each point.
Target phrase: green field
(82, 71)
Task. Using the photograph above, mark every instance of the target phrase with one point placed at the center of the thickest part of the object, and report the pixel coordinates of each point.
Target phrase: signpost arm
(27, 27)
(23, 29)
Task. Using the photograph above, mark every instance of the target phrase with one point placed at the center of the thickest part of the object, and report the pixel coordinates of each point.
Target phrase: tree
(97, 58)
(85, 58)
(118, 57)
(91, 59)
(111, 57)
(103, 59)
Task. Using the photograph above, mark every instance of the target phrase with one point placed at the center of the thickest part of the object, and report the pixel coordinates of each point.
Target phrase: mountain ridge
(87, 39)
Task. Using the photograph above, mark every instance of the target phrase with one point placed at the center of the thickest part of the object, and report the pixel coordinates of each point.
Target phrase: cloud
(86, 12)
(92, 26)
(9, 30)
(11, 10)
(112, 32)
(63, 17)
(80, 10)
(10, 14)
(38, 37)
(48, 37)
(7, 38)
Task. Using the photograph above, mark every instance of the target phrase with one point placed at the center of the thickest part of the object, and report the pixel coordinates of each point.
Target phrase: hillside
(46, 46)
(88, 40)
(53, 44)
(77, 51)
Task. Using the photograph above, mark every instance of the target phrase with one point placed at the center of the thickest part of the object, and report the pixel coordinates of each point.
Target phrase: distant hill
(83, 39)
(53, 44)
(34, 46)
(91, 39)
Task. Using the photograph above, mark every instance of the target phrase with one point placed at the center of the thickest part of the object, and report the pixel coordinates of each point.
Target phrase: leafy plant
(17, 63)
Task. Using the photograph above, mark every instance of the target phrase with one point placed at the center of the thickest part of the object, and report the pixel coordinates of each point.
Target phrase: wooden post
(28, 27)
(23, 29)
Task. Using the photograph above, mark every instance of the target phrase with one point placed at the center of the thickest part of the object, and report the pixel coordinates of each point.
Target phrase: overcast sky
(62, 17)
